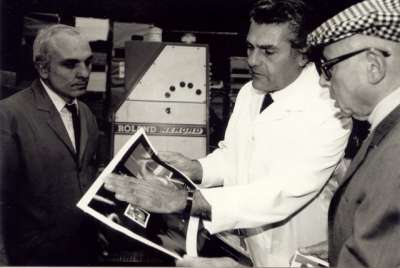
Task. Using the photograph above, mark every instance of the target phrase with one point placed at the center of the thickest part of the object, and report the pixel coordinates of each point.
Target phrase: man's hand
(153, 194)
(190, 167)
(207, 262)
(319, 250)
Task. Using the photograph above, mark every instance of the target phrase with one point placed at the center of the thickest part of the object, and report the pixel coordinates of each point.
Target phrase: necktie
(75, 121)
(266, 102)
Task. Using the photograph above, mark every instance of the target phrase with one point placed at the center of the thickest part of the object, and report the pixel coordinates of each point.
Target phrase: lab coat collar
(294, 97)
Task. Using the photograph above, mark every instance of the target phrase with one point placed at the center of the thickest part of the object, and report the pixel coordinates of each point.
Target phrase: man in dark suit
(359, 60)
(47, 158)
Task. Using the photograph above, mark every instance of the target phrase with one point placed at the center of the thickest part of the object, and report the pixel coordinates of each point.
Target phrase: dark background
(170, 15)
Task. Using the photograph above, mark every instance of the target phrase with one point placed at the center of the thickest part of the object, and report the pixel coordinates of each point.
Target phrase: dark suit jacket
(41, 180)
(364, 215)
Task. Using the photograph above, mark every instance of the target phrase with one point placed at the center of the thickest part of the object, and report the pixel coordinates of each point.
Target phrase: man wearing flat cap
(359, 61)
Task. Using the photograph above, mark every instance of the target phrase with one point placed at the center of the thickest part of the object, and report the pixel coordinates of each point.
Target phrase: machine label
(129, 128)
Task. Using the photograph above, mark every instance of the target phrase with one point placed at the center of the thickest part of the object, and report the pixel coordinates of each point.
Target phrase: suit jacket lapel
(358, 159)
(44, 104)
(372, 140)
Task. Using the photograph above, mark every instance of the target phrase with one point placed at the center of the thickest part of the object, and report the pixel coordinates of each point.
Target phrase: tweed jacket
(364, 215)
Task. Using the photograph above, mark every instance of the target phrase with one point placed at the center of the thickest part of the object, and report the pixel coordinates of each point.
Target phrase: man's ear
(376, 68)
(43, 69)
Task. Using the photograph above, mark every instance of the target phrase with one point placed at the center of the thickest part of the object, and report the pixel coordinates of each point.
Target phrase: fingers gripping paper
(172, 234)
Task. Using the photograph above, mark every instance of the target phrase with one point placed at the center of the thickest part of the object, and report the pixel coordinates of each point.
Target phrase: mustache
(81, 83)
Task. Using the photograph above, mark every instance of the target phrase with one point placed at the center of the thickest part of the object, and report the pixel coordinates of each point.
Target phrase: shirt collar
(383, 108)
(58, 102)
(302, 81)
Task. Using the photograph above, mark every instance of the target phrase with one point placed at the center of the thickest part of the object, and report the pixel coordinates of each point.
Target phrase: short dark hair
(281, 11)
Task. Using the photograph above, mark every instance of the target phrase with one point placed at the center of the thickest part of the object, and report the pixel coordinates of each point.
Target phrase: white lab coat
(272, 164)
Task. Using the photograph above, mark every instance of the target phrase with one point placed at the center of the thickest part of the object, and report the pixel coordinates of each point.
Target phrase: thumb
(187, 261)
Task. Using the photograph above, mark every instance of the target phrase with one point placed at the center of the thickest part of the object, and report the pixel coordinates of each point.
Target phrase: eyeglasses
(323, 66)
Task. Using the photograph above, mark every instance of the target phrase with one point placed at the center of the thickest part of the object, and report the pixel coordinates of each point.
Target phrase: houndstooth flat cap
(379, 18)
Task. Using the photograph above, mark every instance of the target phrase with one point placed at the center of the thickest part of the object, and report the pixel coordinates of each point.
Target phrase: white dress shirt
(273, 163)
(66, 115)
(383, 108)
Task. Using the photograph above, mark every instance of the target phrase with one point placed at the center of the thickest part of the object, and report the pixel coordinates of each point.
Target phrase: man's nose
(253, 58)
(83, 70)
(323, 82)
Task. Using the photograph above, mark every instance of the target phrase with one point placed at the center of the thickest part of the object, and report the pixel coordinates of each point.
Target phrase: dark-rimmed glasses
(324, 66)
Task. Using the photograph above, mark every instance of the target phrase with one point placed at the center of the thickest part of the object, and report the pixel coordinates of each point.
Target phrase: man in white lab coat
(273, 162)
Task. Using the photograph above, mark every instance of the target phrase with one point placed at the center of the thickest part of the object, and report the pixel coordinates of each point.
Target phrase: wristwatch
(189, 202)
